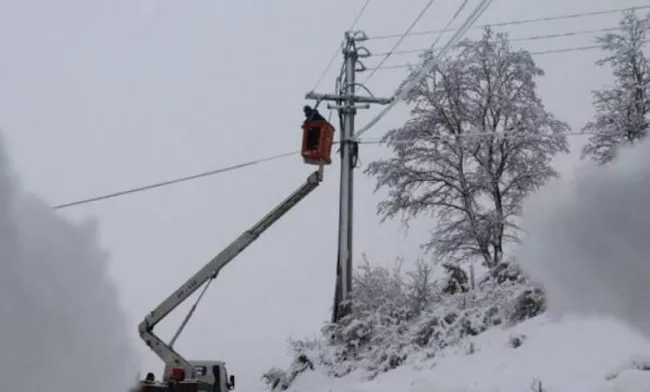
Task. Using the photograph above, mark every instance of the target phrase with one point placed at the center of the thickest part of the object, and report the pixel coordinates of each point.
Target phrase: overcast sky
(101, 96)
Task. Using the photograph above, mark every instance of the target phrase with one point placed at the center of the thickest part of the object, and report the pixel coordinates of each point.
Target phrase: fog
(61, 326)
(588, 239)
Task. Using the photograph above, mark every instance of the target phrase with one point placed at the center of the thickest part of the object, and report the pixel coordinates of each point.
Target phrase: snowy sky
(106, 95)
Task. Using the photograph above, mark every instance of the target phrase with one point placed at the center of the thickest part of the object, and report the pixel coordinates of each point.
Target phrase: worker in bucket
(312, 114)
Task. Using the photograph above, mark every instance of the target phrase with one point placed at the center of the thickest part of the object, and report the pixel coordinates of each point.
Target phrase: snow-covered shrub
(279, 380)
(276, 379)
(398, 318)
(529, 303)
(457, 281)
(515, 341)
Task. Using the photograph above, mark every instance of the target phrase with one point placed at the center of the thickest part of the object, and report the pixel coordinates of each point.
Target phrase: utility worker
(311, 114)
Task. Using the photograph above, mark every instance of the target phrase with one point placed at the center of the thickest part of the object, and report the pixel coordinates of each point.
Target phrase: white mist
(588, 240)
(61, 328)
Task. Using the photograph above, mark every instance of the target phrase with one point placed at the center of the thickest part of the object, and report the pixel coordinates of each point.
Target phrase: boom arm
(210, 271)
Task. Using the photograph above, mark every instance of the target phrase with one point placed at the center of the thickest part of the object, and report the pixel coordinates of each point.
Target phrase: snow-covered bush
(278, 379)
(400, 317)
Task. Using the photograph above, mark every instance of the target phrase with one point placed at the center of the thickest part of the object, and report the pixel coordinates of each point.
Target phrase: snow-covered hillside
(586, 248)
(569, 354)
(497, 336)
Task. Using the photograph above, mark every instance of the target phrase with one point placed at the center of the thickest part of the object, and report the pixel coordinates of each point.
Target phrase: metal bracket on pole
(342, 107)
(346, 97)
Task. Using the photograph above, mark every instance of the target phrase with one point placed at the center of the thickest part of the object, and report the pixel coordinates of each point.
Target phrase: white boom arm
(210, 271)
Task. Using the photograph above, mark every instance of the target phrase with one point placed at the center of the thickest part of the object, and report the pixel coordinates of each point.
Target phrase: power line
(427, 66)
(566, 34)
(566, 50)
(533, 53)
(336, 52)
(356, 19)
(451, 20)
(529, 38)
(519, 22)
(404, 35)
(460, 9)
(287, 154)
(175, 181)
(498, 135)
(576, 49)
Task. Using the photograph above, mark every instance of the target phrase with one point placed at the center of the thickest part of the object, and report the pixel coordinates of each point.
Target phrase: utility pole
(347, 107)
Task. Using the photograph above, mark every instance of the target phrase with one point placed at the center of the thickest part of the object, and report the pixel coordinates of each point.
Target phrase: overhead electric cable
(361, 11)
(533, 53)
(574, 49)
(519, 39)
(329, 65)
(278, 156)
(460, 9)
(427, 66)
(565, 34)
(498, 135)
(519, 22)
(175, 181)
(408, 30)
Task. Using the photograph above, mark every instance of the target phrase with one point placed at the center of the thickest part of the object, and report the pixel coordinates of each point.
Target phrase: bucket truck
(183, 375)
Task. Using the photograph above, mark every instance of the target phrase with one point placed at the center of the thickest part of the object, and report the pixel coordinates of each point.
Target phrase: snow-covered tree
(623, 109)
(472, 185)
(380, 289)
(420, 287)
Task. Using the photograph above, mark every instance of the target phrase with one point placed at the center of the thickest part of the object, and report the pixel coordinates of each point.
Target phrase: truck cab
(211, 376)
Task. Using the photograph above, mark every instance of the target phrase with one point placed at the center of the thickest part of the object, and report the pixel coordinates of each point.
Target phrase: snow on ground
(568, 354)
